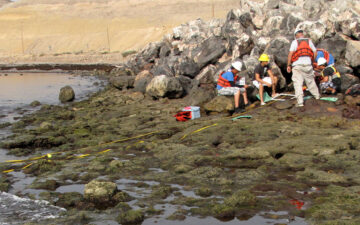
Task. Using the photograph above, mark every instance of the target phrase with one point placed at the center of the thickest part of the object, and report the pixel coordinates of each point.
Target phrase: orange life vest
(303, 49)
(223, 82)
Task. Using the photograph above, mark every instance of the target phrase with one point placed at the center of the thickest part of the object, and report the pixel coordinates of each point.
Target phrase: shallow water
(18, 90)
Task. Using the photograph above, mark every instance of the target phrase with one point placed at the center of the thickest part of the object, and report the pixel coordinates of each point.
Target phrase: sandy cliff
(93, 30)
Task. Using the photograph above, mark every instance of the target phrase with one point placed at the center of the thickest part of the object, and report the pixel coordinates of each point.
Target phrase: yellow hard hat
(264, 58)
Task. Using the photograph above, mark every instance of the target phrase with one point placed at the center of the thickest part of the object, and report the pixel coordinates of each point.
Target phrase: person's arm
(288, 68)
(271, 75)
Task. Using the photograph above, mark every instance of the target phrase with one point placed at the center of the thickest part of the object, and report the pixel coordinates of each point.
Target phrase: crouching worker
(226, 85)
(330, 82)
(264, 77)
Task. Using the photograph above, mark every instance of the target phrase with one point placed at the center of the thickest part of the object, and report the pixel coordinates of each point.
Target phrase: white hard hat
(237, 65)
(321, 61)
(298, 30)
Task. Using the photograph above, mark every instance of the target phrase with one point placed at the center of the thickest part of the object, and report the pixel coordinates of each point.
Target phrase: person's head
(236, 67)
(264, 59)
(298, 33)
(322, 63)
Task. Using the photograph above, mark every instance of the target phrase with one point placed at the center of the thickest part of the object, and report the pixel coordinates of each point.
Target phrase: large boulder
(220, 104)
(273, 25)
(142, 80)
(335, 45)
(279, 48)
(199, 96)
(348, 80)
(315, 30)
(350, 27)
(187, 67)
(66, 94)
(122, 82)
(163, 86)
(209, 51)
(353, 53)
(100, 191)
(207, 75)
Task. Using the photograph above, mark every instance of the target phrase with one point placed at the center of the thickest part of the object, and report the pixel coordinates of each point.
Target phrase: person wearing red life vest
(226, 85)
(300, 59)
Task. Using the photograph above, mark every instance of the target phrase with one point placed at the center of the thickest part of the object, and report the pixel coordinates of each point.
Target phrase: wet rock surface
(66, 94)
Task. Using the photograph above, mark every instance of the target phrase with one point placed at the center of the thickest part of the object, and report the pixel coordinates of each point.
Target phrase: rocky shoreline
(129, 155)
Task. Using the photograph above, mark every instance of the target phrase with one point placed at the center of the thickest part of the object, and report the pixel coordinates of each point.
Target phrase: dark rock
(122, 82)
(348, 80)
(344, 69)
(66, 94)
(199, 96)
(279, 48)
(209, 52)
(69, 200)
(188, 67)
(335, 45)
(187, 83)
(164, 66)
(142, 80)
(165, 50)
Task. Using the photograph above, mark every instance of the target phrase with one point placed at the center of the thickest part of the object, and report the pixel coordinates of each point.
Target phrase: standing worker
(300, 59)
(226, 85)
(265, 77)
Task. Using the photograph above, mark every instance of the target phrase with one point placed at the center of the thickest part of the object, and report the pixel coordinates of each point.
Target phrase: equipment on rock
(353, 90)
(303, 49)
(237, 65)
(330, 99)
(183, 116)
(239, 117)
(321, 61)
(264, 58)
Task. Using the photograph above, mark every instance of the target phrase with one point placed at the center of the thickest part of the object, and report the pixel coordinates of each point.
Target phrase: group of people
(313, 66)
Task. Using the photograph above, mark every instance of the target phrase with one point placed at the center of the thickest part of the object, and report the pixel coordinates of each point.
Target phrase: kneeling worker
(226, 85)
(331, 82)
(262, 69)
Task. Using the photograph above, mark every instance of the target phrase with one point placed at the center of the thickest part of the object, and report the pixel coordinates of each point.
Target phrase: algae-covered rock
(35, 104)
(69, 199)
(242, 198)
(4, 184)
(182, 168)
(223, 211)
(161, 191)
(47, 185)
(204, 192)
(317, 176)
(66, 94)
(131, 217)
(122, 197)
(100, 191)
(337, 203)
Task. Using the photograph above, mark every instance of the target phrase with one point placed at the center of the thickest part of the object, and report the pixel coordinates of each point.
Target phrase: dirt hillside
(93, 30)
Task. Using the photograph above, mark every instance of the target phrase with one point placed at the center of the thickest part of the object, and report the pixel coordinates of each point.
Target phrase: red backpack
(183, 116)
